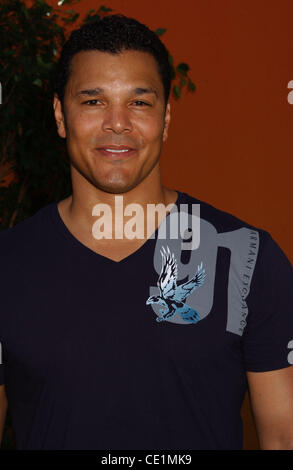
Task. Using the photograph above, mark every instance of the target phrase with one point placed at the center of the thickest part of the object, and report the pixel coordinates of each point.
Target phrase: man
(138, 343)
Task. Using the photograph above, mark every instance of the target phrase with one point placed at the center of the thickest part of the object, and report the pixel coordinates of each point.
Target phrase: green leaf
(90, 18)
(183, 68)
(182, 82)
(160, 31)
(25, 12)
(104, 9)
(173, 74)
(177, 91)
(40, 61)
(191, 85)
(74, 17)
(38, 82)
(71, 18)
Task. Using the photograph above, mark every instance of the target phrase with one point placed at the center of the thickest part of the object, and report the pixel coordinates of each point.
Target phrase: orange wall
(231, 142)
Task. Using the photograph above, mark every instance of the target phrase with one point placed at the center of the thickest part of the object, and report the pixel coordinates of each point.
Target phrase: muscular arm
(3, 409)
(271, 397)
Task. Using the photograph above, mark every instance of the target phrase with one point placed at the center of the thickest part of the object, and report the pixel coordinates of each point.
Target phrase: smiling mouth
(116, 152)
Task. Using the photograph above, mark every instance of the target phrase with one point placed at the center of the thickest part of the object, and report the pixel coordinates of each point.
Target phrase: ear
(167, 121)
(59, 117)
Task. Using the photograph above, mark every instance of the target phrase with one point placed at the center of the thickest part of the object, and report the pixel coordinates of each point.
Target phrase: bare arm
(271, 397)
(3, 410)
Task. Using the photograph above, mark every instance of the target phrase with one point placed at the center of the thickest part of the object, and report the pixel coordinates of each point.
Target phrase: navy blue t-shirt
(150, 352)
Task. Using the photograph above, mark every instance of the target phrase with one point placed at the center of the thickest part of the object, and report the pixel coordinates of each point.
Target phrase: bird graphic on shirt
(172, 296)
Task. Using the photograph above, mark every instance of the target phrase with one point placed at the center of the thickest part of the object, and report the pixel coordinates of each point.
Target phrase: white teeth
(116, 151)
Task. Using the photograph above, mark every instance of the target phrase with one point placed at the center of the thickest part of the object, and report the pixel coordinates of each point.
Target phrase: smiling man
(138, 342)
(115, 116)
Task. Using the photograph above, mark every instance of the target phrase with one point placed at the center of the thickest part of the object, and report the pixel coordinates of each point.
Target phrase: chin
(114, 188)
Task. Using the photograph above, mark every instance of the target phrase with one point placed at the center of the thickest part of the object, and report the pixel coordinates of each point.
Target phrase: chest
(66, 330)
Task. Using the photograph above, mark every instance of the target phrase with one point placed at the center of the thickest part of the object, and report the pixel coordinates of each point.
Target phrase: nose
(117, 119)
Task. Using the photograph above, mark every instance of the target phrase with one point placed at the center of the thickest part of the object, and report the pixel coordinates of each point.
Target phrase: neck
(87, 204)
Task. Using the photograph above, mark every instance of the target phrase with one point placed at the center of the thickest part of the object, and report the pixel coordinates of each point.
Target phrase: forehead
(133, 68)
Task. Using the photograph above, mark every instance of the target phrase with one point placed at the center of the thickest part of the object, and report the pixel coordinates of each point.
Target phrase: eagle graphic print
(172, 297)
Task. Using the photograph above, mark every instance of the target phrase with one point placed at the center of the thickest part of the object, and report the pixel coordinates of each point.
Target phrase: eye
(91, 102)
(141, 103)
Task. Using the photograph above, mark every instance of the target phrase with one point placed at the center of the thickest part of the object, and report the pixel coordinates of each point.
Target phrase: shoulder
(25, 235)
(222, 220)
(245, 240)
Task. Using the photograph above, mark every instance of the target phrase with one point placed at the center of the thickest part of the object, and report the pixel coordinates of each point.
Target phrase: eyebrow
(135, 91)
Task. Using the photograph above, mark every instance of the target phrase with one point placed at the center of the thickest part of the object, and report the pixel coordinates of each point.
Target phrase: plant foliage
(32, 156)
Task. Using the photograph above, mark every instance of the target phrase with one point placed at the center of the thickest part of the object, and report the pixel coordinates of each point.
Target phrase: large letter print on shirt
(200, 271)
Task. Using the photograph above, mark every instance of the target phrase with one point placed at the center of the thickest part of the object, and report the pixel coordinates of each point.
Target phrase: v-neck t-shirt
(150, 352)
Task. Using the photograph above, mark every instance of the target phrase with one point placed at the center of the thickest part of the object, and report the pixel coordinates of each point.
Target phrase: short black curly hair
(113, 34)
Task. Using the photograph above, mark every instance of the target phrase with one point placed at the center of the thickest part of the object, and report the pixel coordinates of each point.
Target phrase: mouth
(116, 152)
